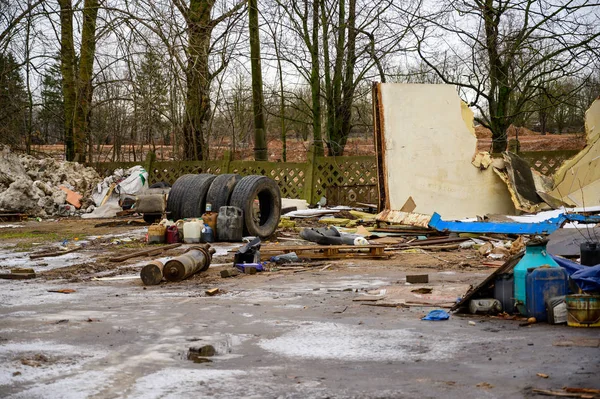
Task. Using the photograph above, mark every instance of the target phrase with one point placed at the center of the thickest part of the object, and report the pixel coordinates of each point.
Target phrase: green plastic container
(535, 256)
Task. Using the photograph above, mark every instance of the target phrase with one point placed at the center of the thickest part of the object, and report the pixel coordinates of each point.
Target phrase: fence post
(150, 158)
(308, 178)
(227, 158)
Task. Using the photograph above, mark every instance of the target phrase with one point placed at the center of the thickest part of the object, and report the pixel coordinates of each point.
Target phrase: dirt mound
(483, 132)
(32, 185)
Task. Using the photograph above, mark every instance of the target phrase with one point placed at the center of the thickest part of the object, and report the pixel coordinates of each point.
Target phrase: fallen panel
(577, 182)
(404, 218)
(543, 227)
(425, 144)
(524, 184)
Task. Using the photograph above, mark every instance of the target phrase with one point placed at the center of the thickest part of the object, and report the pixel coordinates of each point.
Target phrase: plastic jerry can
(207, 234)
(504, 292)
(210, 218)
(557, 310)
(230, 224)
(535, 256)
(489, 305)
(172, 234)
(544, 283)
(156, 234)
(191, 231)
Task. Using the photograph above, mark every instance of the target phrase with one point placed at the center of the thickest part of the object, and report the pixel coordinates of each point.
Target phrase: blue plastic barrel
(535, 256)
(544, 283)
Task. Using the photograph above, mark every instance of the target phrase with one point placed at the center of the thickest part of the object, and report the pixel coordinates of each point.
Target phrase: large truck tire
(176, 195)
(263, 221)
(220, 190)
(194, 199)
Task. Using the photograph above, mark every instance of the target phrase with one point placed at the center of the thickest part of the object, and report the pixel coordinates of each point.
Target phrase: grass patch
(36, 235)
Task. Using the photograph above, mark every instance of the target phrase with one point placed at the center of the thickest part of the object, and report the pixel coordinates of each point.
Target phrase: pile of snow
(32, 185)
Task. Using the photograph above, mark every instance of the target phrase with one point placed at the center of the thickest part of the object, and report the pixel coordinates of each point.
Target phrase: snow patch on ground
(39, 382)
(329, 341)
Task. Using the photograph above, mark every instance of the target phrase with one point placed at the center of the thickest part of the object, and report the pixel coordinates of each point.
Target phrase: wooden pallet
(12, 217)
(327, 251)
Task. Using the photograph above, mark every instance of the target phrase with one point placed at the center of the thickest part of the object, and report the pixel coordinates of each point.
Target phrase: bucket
(583, 310)
(590, 253)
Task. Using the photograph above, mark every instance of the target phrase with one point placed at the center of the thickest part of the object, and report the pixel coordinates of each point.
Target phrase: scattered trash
(212, 292)
(285, 258)
(200, 354)
(417, 278)
(485, 306)
(63, 291)
(542, 375)
(229, 273)
(437, 315)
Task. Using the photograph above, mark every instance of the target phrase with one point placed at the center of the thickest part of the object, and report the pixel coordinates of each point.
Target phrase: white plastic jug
(192, 230)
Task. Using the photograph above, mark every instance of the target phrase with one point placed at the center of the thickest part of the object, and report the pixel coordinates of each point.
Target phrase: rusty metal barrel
(152, 273)
(195, 259)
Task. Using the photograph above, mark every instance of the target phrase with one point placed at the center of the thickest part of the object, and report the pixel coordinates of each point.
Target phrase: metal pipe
(195, 259)
(152, 273)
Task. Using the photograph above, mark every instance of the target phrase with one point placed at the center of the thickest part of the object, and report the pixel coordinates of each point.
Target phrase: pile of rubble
(40, 186)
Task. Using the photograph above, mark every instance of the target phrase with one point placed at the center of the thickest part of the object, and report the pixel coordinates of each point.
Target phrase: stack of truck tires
(258, 197)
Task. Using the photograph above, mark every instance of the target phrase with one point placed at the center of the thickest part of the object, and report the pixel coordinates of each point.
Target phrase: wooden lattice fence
(342, 180)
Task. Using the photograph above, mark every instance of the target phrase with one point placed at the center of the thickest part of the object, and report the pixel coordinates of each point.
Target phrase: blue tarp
(437, 315)
(586, 277)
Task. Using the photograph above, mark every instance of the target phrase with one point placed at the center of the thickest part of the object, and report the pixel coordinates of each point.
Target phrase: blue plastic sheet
(437, 315)
(586, 277)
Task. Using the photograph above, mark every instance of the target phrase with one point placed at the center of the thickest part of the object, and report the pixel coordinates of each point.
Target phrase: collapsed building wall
(425, 144)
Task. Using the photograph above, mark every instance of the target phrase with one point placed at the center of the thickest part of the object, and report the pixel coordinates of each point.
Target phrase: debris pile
(43, 187)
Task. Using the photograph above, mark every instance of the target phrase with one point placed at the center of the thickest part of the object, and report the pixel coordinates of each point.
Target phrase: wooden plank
(151, 251)
(16, 276)
(51, 254)
(293, 248)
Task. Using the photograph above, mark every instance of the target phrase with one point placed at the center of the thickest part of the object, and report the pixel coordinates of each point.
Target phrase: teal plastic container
(535, 256)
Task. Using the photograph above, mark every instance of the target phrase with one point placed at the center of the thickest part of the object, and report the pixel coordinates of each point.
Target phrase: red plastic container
(172, 234)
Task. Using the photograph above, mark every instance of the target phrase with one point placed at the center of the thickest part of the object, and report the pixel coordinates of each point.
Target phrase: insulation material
(425, 145)
(577, 182)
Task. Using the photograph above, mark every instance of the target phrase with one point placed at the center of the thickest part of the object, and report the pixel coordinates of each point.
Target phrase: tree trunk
(348, 86)
(197, 102)
(84, 85)
(328, 83)
(334, 143)
(499, 93)
(260, 142)
(67, 68)
(315, 81)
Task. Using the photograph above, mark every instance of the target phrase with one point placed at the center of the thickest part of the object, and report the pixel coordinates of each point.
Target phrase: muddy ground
(294, 333)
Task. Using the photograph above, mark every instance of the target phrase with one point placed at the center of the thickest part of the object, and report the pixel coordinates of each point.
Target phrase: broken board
(327, 251)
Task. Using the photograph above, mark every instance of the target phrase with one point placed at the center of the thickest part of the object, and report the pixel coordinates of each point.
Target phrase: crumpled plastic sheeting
(586, 277)
(131, 181)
